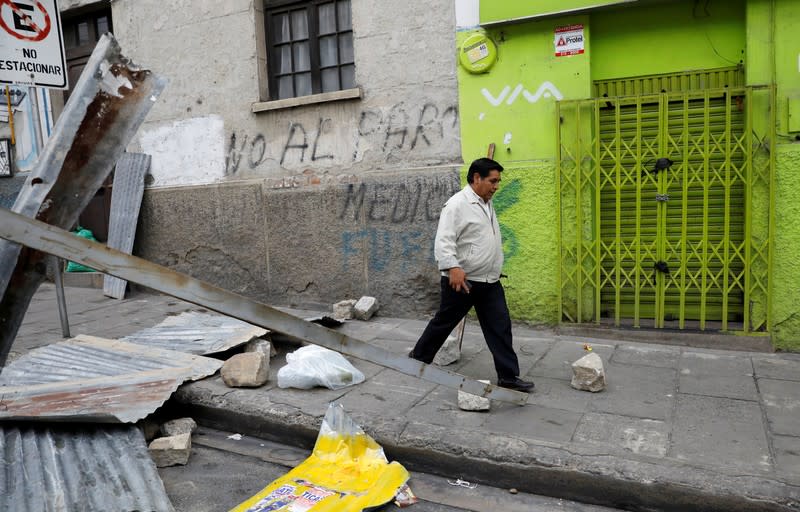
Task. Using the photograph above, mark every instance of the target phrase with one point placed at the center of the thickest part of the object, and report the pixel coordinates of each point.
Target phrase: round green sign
(477, 53)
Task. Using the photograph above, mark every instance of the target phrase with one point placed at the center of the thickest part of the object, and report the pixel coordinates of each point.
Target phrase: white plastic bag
(311, 366)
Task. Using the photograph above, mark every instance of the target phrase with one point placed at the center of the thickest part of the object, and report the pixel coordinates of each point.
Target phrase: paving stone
(773, 367)
(781, 399)
(440, 407)
(171, 451)
(720, 431)
(637, 391)
(533, 422)
(663, 357)
(558, 394)
(388, 392)
(787, 454)
(714, 374)
(640, 436)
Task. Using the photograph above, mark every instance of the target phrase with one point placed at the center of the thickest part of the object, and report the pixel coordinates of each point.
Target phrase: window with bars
(310, 47)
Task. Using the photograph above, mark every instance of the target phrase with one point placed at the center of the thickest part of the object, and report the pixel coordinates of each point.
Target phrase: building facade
(303, 149)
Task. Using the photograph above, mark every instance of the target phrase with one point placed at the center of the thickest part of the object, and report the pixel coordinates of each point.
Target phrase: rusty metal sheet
(95, 379)
(56, 241)
(105, 108)
(69, 467)
(197, 333)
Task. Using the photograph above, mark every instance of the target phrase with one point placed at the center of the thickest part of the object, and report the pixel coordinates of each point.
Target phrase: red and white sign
(31, 44)
(569, 40)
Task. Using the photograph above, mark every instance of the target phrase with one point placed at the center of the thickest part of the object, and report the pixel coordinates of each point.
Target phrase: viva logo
(545, 90)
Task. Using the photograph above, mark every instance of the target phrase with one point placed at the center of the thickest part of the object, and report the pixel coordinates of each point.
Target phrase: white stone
(171, 451)
(588, 373)
(179, 426)
(470, 402)
(343, 310)
(250, 369)
(365, 307)
(449, 353)
(261, 345)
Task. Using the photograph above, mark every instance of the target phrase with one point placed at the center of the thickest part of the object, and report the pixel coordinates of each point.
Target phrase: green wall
(630, 40)
(785, 18)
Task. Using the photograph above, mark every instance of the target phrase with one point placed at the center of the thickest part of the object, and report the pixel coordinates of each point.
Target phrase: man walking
(469, 252)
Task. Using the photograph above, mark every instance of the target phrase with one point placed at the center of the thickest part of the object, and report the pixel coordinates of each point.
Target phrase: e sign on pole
(31, 44)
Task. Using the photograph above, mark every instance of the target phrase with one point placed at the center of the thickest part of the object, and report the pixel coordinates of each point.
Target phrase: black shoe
(516, 384)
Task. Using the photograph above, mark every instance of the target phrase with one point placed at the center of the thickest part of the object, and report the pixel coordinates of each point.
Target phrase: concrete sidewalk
(677, 429)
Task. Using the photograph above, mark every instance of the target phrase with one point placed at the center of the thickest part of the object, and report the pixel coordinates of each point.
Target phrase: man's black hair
(482, 166)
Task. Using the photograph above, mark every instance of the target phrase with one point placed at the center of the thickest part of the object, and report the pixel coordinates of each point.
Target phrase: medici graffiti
(399, 222)
(387, 134)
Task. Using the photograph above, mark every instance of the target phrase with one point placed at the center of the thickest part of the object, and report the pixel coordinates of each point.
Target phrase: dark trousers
(489, 301)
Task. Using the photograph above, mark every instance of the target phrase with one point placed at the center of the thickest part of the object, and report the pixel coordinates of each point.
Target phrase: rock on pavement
(588, 373)
(250, 369)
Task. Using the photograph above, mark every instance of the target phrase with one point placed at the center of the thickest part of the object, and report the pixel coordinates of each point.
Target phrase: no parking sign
(31, 44)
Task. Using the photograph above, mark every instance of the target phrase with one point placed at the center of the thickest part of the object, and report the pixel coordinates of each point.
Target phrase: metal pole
(56, 262)
(62, 301)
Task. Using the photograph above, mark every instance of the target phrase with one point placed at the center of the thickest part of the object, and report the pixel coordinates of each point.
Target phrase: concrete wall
(305, 205)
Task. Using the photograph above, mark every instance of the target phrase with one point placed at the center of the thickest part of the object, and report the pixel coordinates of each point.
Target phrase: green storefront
(652, 159)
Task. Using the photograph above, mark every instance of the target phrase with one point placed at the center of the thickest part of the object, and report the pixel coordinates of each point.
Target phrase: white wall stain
(187, 152)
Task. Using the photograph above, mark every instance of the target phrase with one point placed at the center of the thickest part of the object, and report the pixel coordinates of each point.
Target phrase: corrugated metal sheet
(197, 333)
(94, 379)
(68, 468)
(126, 201)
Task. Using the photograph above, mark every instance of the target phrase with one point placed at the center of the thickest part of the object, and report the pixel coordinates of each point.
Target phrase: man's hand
(458, 280)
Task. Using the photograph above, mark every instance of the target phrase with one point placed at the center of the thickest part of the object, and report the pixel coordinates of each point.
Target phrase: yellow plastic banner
(347, 472)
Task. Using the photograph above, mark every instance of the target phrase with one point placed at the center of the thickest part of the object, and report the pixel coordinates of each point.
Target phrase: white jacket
(469, 237)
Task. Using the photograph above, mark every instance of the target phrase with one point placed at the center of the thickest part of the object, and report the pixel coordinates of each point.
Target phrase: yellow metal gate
(665, 209)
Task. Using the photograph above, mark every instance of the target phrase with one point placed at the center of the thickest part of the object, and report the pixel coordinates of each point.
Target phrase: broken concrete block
(588, 373)
(343, 310)
(261, 345)
(365, 308)
(179, 426)
(470, 402)
(171, 451)
(250, 369)
(449, 353)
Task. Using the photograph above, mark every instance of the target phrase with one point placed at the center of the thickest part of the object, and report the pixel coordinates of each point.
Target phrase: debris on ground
(449, 353)
(262, 345)
(197, 332)
(171, 450)
(405, 497)
(343, 310)
(470, 402)
(312, 366)
(236, 437)
(365, 308)
(346, 471)
(178, 426)
(588, 373)
(246, 370)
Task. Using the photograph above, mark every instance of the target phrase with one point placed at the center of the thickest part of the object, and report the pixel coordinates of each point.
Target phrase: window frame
(274, 8)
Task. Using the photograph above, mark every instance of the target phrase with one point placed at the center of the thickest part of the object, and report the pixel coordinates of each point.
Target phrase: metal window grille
(682, 242)
(310, 48)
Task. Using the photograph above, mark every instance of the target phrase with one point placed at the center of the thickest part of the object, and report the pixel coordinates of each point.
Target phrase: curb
(634, 483)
